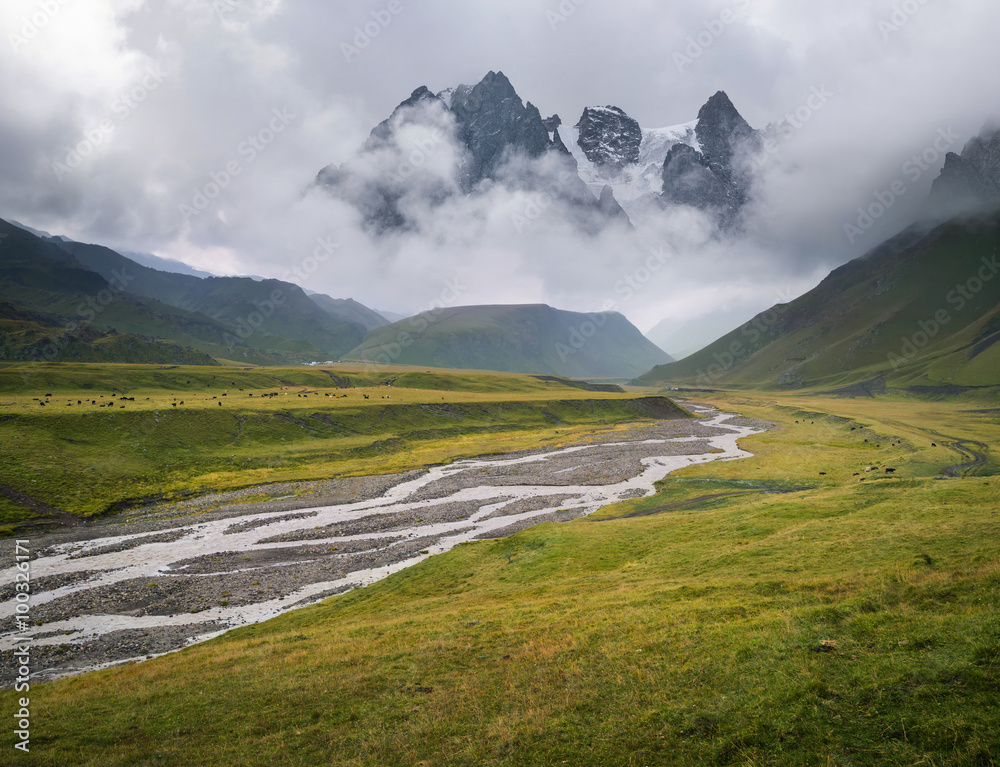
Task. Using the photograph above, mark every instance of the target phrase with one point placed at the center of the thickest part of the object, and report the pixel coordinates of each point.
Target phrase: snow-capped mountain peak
(632, 181)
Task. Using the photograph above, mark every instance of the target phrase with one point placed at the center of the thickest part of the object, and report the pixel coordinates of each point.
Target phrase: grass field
(86, 439)
(770, 611)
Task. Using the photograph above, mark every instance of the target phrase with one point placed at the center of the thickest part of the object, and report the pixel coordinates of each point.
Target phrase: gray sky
(118, 112)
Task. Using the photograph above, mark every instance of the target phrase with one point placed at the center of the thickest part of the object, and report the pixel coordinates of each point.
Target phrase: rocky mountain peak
(493, 120)
(721, 130)
(552, 123)
(713, 178)
(383, 130)
(609, 137)
(970, 180)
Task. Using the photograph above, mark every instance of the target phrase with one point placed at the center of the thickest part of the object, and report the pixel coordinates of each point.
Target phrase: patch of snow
(635, 184)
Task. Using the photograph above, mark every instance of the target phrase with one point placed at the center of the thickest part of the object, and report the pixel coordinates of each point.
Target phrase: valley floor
(804, 606)
(157, 578)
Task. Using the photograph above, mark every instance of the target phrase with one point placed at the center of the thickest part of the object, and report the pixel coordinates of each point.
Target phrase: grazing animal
(822, 473)
(890, 471)
(366, 396)
(857, 474)
(933, 444)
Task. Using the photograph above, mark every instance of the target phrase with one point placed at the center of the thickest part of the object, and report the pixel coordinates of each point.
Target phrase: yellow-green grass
(113, 435)
(847, 624)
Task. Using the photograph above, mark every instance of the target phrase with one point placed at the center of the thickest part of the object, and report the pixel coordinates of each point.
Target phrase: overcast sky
(116, 113)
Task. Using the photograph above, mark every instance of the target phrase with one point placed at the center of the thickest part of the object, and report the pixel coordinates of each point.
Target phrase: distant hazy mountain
(164, 264)
(392, 316)
(922, 309)
(518, 339)
(350, 310)
(681, 339)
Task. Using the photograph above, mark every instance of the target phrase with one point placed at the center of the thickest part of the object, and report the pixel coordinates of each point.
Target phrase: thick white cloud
(245, 100)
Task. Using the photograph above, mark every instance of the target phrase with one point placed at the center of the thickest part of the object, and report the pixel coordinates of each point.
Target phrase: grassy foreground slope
(87, 439)
(770, 611)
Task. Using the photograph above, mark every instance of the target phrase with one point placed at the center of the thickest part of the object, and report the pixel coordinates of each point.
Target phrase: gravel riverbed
(154, 579)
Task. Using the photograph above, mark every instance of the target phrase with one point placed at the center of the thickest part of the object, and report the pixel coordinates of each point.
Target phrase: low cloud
(228, 67)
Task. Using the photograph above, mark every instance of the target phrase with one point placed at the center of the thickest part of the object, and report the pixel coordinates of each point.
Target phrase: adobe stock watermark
(751, 334)
(913, 170)
(366, 33)
(422, 152)
(563, 13)
(957, 298)
(625, 291)
(249, 150)
(794, 121)
(901, 15)
(714, 29)
(247, 326)
(121, 109)
(539, 202)
(22, 651)
(32, 25)
(449, 296)
(222, 8)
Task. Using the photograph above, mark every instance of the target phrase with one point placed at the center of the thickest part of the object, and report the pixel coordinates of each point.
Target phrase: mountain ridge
(518, 338)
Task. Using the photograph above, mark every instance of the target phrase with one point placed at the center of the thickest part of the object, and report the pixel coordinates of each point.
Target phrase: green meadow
(93, 439)
(791, 608)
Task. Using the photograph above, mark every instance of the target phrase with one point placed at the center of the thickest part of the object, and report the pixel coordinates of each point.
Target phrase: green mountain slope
(39, 277)
(922, 309)
(516, 339)
(262, 314)
(27, 336)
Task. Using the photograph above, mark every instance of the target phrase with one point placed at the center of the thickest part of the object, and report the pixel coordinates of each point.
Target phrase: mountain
(517, 339)
(29, 336)
(266, 315)
(681, 339)
(609, 138)
(391, 316)
(705, 164)
(164, 264)
(605, 168)
(496, 139)
(971, 180)
(922, 309)
(72, 285)
(719, 176)
(349, 310)
(602, 143)
(54, 309)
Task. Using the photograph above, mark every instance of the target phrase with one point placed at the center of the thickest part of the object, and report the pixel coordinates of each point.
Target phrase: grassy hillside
(28, 336)
(88, 438)
(517, 339)
(918, 310)
(756, 612)
(267, 315)
(42, 279)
